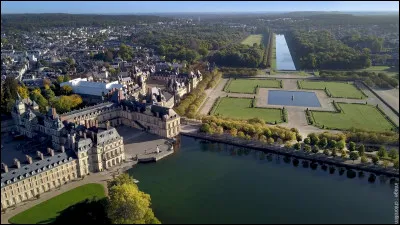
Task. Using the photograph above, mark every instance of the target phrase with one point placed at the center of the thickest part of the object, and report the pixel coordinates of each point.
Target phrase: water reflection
(269, 157)
(284, 60)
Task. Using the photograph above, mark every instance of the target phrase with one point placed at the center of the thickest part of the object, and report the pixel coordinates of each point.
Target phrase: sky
(129, 7)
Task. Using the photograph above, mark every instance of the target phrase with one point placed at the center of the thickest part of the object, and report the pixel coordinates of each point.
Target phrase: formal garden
(249, 86)
(334, 89)
(348, 116)
(244, 108)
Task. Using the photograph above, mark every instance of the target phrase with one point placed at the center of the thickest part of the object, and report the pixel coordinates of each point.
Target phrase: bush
(326, 152)
(340, 144)
(299, 138)
(313, 139)
(334, 152)
(307, 140)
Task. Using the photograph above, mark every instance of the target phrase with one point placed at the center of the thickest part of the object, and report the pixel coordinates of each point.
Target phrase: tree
(60, 79)
(203, 51)
(332, 144)
(23, 91)
(233, 132)
(375, 159)
(333, 153)
(120, 180)
(396, 163)
(364, 159)
(128, 205)
(299, 138)
(297, 146)
(307, 140)
(385, 163)
(361, 150)
(315, 149)
(323, 142)
(49, 94)
(326, 152)
(352, 146)
(344, 154)
(313, 138)
(307, 148)
(67, 78)
(66, 89)
(220, 130)
(340, 144)
(393, 153)
(382, 152)
(354, 155)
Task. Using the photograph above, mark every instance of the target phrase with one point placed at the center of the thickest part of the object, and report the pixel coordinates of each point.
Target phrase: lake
(284, 60)
(293, 98)
(203, 182)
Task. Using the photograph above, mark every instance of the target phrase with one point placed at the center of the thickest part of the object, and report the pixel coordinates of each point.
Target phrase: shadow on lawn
(86, 212)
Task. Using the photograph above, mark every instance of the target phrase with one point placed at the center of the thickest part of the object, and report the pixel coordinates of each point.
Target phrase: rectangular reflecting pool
(284, 60)
(293, 98)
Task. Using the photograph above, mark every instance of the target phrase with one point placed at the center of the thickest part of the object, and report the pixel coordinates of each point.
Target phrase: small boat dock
(154, 156)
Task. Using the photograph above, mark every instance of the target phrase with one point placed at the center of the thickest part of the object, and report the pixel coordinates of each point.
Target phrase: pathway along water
(207, 182)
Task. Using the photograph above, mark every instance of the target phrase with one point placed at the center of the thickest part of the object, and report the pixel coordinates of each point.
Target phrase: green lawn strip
(249, 85)
(251, 39)
(240, 108)
(360, 116)
(337, 89)
(47, 211)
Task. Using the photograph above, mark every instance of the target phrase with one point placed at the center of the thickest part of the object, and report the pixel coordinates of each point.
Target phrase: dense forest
(188, 42)
(239, 55)
(30, 22)
(320, 50)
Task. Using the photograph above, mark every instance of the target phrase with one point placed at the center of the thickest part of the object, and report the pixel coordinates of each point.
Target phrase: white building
(83, 87)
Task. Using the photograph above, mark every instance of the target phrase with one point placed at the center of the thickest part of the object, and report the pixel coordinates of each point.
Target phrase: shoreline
(318, 157)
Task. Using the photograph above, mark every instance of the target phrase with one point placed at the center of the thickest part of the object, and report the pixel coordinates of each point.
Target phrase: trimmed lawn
(47, 211)
(337, 89)
(249, 85)
(365, 117)
(251, 39)
(240, 108)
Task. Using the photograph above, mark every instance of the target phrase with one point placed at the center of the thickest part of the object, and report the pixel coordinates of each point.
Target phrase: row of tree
(191, 102)
(381, 80)
(255, 129)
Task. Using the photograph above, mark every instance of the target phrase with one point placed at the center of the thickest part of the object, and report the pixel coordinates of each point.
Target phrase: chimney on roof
(28, 159)
(84, 135)
(40, 155)
(50, 151)
(108, 125)
(4, 167)
(62, 148)
(53, 112)
(97, 123)
(17, 163)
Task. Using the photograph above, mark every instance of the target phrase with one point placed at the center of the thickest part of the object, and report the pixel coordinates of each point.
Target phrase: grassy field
(47, 211)
(249, 85)
(337, 89)
(354, 115)
(251, 39)
(240, 108)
